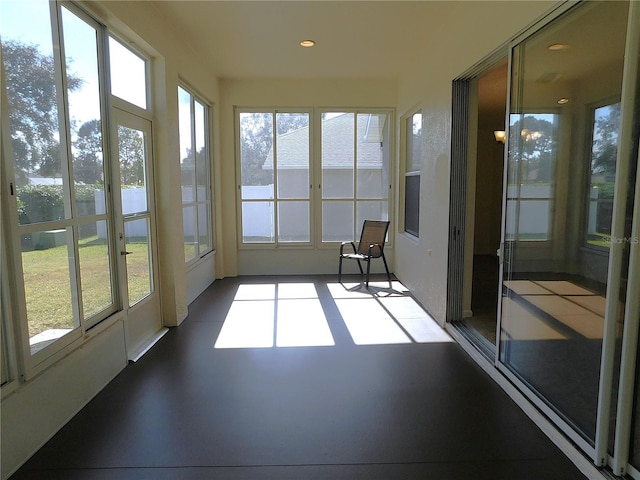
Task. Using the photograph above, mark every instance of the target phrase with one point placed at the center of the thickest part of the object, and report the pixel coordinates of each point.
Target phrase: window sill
(192, 264)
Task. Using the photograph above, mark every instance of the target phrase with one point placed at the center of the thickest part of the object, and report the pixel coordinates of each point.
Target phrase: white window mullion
(66, 154)
(275, 199)
(355, 175)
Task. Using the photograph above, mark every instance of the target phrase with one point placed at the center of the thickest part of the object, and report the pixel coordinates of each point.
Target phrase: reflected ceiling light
(307, 43)
(563, 101)
(500, 135)
(557, 46)
(528, 135)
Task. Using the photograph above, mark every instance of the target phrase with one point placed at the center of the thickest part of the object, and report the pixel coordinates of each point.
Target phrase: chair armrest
(353, 245)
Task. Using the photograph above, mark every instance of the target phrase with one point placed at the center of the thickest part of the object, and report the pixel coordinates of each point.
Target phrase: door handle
(124, 252)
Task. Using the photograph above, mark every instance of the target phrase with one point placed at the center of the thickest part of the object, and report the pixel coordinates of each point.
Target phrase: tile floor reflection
(550, 309)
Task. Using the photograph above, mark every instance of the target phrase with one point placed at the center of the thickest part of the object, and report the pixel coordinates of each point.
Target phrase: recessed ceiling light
(557, 46)
(563, 101)
(307, 43)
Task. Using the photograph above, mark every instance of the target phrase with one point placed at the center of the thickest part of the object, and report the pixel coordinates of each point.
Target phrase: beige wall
(475, 31)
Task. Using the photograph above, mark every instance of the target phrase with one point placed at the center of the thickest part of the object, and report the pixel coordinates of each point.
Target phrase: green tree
(532, 143)
(131, 154)
(87, 159)
(256, 142)
(605, 141)
(33, 108)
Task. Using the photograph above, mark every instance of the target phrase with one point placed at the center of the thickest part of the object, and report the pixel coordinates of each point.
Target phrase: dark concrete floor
(187, 410)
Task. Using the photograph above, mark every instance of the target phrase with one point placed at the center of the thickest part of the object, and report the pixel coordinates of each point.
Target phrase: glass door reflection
(560, 184)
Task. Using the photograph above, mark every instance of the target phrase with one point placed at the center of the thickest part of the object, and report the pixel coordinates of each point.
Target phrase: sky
(28, 21)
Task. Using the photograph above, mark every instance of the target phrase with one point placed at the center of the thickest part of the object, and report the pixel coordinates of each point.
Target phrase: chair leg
(386, 268)
(340, 271)
(368, 270)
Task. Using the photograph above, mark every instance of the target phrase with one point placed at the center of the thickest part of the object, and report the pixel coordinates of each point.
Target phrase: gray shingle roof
(337, 151)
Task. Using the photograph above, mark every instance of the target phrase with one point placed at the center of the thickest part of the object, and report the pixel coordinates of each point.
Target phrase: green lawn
(600, 240)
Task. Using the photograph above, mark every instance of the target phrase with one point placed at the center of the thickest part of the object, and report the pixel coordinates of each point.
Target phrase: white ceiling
(355, 39)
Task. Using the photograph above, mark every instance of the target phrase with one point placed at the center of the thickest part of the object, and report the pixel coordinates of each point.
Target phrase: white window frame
(207, 201)
(589, 155)
(30, 364)
(317, 163)
(410, 167)
(315, 173)
(275, 198)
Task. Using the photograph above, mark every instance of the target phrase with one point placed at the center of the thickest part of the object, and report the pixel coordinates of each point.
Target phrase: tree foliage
(256, 142)
(605, 142)
(88, 158)
(131, 153)
(532, 144)
(33, 112)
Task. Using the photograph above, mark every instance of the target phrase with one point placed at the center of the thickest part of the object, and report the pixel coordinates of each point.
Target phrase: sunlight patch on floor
(390, 316)
(415, 321)
(249, 324)
(369, 323)
(284, 314)
(292, 315)
(302, 323)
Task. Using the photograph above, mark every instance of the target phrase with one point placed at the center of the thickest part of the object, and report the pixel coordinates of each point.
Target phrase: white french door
(136, 229)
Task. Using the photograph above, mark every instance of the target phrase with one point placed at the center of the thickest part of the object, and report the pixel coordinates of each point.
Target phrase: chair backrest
(373, 232)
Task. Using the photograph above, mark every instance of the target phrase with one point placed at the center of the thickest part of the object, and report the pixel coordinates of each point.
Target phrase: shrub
(42, 203)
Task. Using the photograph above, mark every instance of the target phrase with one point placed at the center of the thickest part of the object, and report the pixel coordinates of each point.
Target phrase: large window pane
(47, 286)
(337, 222)
(132, 155)
(202, 153)
(187, 153)
(95, 268)
(258, 223)
(33, 100)
(372, 169)
(338, 155)
(413, 164)
(293, 222)
(190, 229)
(414, 142)
(292, 155)
(128, 74)
(370, 210)
(604, 151)
(204, 234)
(196, 179)
(533, 147)
(256, 155)
(138, 244)
(412, 204)
(81, 51)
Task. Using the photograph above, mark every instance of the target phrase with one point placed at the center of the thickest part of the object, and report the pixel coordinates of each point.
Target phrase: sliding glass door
(566, 312)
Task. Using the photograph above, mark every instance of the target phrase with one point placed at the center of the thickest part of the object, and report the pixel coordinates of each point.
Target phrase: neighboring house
(337, 149)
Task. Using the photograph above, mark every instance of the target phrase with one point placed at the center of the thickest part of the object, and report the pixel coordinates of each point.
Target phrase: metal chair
(372, 239)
